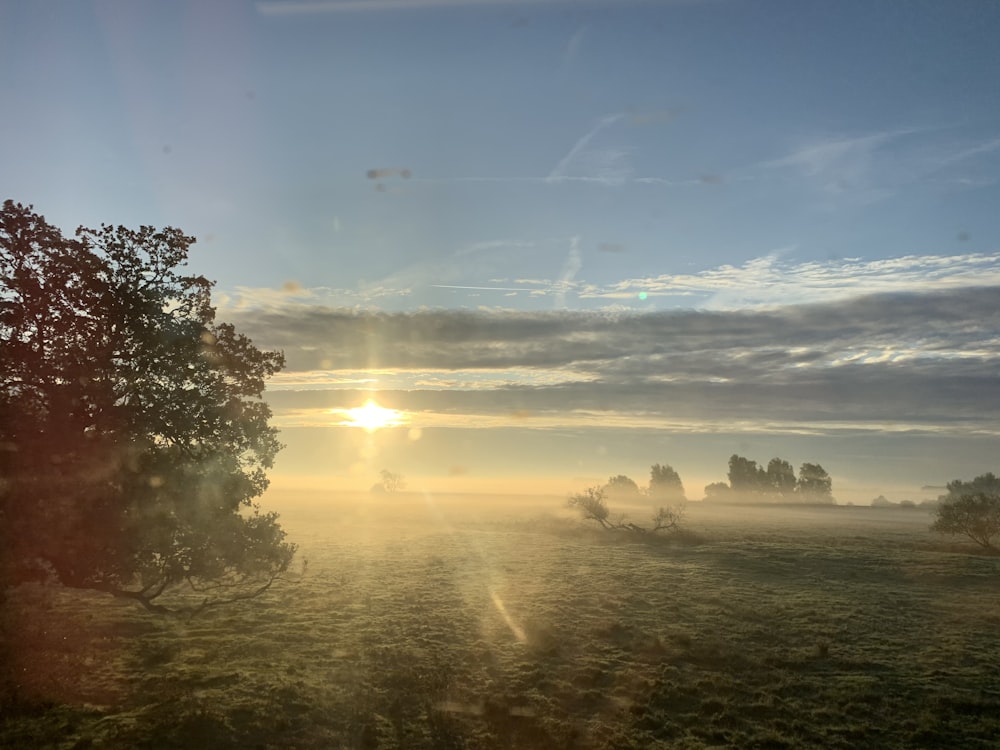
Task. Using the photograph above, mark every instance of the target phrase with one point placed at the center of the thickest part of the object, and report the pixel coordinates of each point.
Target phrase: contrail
(485, 288)
(582, 143)
(286, 7)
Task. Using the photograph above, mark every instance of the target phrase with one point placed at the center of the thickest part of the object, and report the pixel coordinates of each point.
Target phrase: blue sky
(617, 186)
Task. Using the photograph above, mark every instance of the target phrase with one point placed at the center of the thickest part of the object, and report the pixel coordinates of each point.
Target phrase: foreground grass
(434, 627)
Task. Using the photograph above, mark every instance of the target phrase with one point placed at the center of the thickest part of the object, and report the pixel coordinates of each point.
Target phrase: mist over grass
(425, 621)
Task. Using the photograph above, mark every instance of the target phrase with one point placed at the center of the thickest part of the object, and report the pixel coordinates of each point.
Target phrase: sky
(564, 239)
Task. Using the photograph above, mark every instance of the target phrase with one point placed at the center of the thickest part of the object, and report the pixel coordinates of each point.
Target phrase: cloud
(919, 362)
(761, 282)
(769, 280)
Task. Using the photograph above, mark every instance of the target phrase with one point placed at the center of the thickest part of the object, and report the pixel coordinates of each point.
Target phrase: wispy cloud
(771, 281)
(768, 281)
(844, 167)
(863, 169)
(836, 157)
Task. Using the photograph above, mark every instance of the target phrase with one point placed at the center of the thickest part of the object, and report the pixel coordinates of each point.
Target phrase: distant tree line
(749, 482)
(969, 508)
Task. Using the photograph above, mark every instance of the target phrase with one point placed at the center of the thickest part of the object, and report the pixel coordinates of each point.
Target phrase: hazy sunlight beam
(514, 627)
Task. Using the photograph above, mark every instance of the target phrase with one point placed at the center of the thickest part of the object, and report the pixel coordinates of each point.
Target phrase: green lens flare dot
(642, 295)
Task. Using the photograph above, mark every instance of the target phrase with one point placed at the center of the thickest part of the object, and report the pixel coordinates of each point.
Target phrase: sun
(371, 417)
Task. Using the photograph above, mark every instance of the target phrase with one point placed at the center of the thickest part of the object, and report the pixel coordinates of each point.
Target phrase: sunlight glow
(371, 417)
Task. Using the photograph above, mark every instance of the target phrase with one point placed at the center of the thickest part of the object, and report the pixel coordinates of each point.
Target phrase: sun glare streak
(371, 417)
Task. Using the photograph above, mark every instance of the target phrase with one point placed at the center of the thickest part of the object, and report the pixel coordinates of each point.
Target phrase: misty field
(470, 623)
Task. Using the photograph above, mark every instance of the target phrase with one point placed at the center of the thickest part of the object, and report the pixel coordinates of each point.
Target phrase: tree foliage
(814, 484)
(621, 487)
(781, 478)
(133, 437)
(665, 484)
(745, 476)
(971, 509)
(987, 484)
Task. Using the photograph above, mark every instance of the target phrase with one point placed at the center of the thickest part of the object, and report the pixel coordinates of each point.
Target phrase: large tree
(133, 437)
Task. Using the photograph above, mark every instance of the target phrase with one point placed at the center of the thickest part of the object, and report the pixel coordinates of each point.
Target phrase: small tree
(971, 509)
(390, 481)
(976, 516)
(668, 519)
(592, 505)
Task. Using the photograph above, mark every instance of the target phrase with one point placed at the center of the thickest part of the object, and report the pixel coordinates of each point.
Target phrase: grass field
(471, 623)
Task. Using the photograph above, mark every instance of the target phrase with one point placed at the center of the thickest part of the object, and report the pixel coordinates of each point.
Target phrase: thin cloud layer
(894, 362)
(762, 282)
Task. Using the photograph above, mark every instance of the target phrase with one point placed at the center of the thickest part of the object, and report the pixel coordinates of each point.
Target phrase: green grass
(425, 624)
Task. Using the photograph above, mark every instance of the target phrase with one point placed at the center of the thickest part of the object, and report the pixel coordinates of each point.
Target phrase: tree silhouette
(749, 481)
(621, 487)
(665, 484)
(781, 477)
(593, 506)
(987, 484)
(746, 478)
(133, 437)
(814, 485)
(389, 482)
